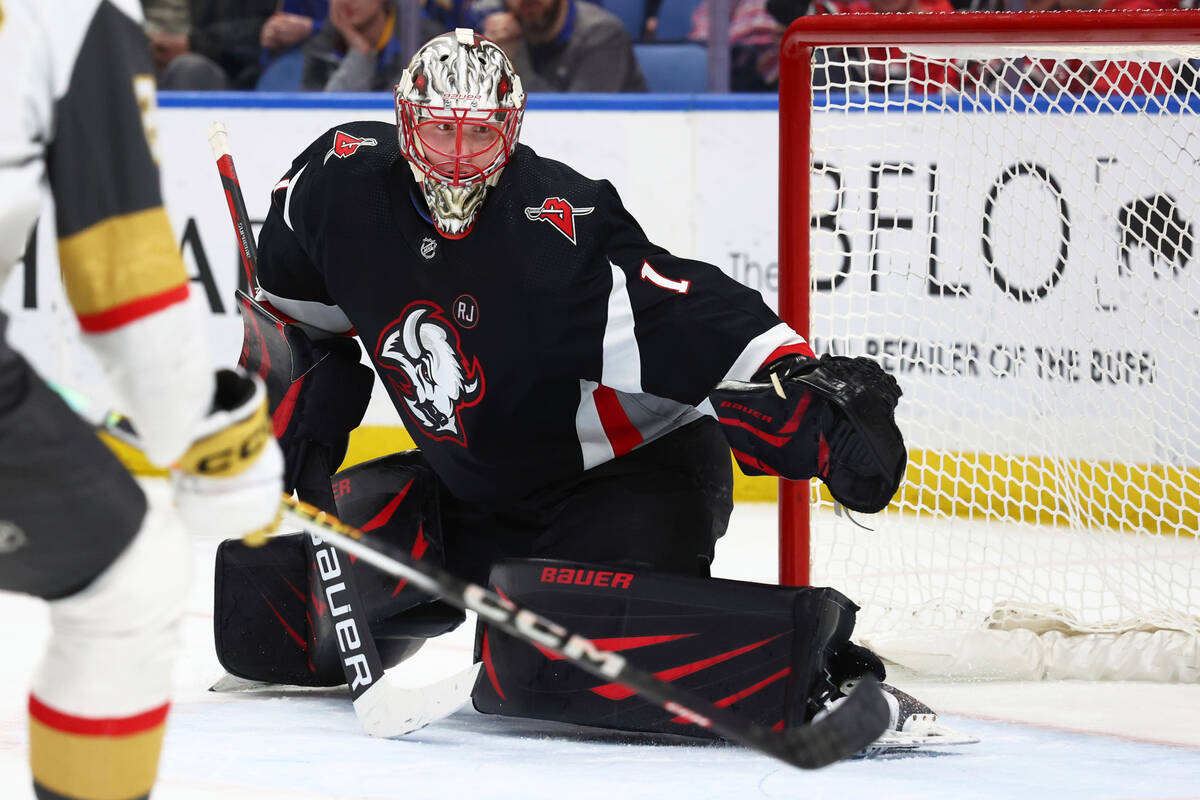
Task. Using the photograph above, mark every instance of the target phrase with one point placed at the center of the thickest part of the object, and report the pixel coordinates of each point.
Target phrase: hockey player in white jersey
(75, 528)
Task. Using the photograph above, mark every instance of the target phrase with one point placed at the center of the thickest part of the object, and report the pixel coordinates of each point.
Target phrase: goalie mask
(459, 106)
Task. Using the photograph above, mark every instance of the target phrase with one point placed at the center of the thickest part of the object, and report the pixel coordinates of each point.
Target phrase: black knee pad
(761, 650)
(270, 624)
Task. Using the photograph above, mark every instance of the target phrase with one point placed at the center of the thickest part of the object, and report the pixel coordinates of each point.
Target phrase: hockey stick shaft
(361, 664)
(218, 139)
(852, 726)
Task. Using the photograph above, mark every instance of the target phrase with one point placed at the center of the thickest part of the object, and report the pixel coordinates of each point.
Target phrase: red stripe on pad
(749, 690)
(750, 461)
(103, 321)
(287, 406)
(774, 441)
(619, 644)
(383, 516)
(90, 726)
(418, 552)
(486, 655)
(297, 638)
(615, 691)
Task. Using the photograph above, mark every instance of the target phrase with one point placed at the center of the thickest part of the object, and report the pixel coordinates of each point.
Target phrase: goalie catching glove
(229, 481)
(833, 418)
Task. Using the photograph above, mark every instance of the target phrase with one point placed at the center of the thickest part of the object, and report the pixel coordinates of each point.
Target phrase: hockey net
(1002, 209)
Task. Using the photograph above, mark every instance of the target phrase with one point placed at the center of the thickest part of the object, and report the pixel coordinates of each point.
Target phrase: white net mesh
(1013, 236)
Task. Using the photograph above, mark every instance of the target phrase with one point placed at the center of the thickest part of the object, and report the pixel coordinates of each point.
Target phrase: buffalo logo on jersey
(560, 214)
(425, 365)
(345, 145)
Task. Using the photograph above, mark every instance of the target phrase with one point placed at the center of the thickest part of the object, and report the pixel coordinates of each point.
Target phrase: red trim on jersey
(615, 691)
(749, 690)
(104, 321)
(89, 726)
(801, 348)
(621, 433)
(620, 644)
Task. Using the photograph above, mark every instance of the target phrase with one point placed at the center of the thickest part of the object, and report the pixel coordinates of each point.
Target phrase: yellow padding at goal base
(1153, 498)
(1029, 489)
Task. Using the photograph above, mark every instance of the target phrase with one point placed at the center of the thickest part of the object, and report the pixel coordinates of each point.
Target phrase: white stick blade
(388, 711)
(218, 139)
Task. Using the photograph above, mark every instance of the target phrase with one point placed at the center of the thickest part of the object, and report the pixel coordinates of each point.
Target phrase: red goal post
(1157, 489)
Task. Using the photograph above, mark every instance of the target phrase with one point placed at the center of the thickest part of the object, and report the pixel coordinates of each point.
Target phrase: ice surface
(1047, 740)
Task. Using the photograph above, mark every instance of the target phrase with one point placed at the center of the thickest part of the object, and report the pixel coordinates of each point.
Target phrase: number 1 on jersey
(649, 273)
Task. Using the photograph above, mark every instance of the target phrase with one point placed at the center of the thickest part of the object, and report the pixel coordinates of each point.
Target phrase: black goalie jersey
(552, 338)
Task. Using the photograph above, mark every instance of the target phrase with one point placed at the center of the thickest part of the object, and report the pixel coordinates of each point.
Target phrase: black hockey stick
(847, 729)
(383, 709)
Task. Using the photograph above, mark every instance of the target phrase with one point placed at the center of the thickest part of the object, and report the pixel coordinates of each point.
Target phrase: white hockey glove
(230, 480)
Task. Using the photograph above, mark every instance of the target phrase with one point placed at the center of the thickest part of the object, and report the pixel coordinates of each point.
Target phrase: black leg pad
(760, 650)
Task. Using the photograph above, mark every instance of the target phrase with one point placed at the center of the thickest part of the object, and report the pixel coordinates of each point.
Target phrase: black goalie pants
(661, 506)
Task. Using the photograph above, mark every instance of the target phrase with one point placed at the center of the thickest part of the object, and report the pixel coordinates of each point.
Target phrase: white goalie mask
(459, 107)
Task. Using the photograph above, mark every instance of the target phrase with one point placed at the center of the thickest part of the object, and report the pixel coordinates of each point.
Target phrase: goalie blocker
(832, 418)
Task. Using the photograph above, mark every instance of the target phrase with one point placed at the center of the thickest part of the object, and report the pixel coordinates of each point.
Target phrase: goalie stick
(849, 728)
(384, 709)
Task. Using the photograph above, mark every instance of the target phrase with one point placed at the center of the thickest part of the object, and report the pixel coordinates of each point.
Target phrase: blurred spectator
(754, 39)
(887, 69)
(294, 23)
(650, 26)
(566, 46)
(1143, 5)
(452, 14)
(784, 11)
(358, 48)
(219, 50)
(1077, 76)
(878, 69)
(165, 16)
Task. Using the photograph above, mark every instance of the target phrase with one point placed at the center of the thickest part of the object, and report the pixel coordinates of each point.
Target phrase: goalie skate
(914, 725)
